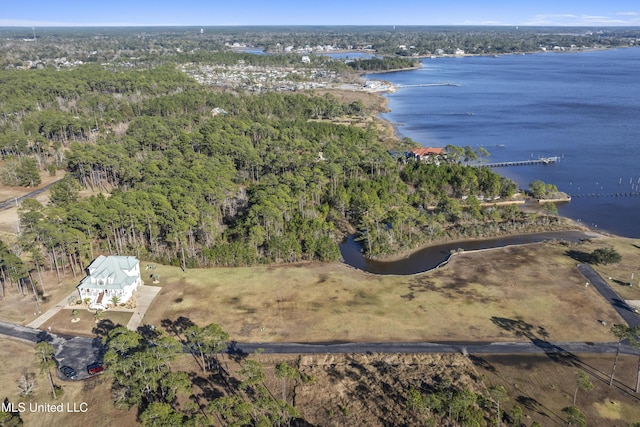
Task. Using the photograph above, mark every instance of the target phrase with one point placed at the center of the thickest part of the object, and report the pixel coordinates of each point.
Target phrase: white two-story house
(108, 277)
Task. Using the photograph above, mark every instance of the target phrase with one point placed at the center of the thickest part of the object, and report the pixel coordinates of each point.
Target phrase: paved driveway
(624, 310)
(144, 297)
(14, 201)
(52, 311)
(77, 352)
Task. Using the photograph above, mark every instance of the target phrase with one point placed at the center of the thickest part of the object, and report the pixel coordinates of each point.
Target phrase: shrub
(605, 256)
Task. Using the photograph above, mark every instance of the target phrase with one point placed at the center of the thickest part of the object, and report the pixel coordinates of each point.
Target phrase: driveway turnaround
(77, 352)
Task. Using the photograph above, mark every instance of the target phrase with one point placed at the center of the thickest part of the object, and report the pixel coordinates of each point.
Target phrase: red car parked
(95, 368)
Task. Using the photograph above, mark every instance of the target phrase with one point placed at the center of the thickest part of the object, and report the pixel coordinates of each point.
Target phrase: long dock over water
(429, 85)
(541, 160)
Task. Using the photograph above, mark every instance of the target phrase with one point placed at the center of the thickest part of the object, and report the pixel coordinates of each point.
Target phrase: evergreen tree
(27, 173)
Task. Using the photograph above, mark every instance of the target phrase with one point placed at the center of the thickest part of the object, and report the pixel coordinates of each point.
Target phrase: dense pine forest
(184, 174)
(383, 64)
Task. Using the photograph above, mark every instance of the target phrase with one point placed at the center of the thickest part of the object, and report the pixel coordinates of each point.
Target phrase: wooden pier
(541, 160)
(429, 85)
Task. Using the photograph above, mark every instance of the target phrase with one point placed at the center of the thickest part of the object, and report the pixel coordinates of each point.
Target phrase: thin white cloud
(628, 13)
(488, 23)
(580, 20)
(496, 23)
(549, 19)
(595, 18)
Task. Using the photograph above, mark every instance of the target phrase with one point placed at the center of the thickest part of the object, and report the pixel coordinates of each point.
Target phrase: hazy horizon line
(122, 25)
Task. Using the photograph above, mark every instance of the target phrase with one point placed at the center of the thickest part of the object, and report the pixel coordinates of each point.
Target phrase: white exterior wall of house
(112, 280)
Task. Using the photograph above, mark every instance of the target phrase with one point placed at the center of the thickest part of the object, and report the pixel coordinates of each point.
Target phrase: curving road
(12, 202)
(624, 310)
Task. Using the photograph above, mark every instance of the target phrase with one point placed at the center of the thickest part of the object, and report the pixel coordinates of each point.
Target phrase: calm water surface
(584, 107)
(349, 55)
(431, 257)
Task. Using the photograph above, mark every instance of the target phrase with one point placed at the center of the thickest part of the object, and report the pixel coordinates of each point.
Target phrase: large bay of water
(583, 107)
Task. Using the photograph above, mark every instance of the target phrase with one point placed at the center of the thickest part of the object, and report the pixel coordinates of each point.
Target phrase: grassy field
(470, 298)
(478, 296)
(62, 323)
(536, 284)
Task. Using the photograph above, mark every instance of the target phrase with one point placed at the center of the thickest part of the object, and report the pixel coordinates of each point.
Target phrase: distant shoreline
(567, 224)
(466, 54)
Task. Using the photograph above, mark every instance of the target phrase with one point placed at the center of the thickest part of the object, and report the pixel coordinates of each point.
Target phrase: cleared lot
(473, 297)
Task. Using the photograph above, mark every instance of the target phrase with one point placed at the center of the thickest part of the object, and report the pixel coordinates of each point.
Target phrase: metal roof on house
(426, 151)
(113, 266)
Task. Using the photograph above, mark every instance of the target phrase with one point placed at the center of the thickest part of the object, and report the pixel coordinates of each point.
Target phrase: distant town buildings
(258, 78)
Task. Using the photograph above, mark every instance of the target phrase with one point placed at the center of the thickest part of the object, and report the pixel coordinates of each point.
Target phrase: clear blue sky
(322, 12)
